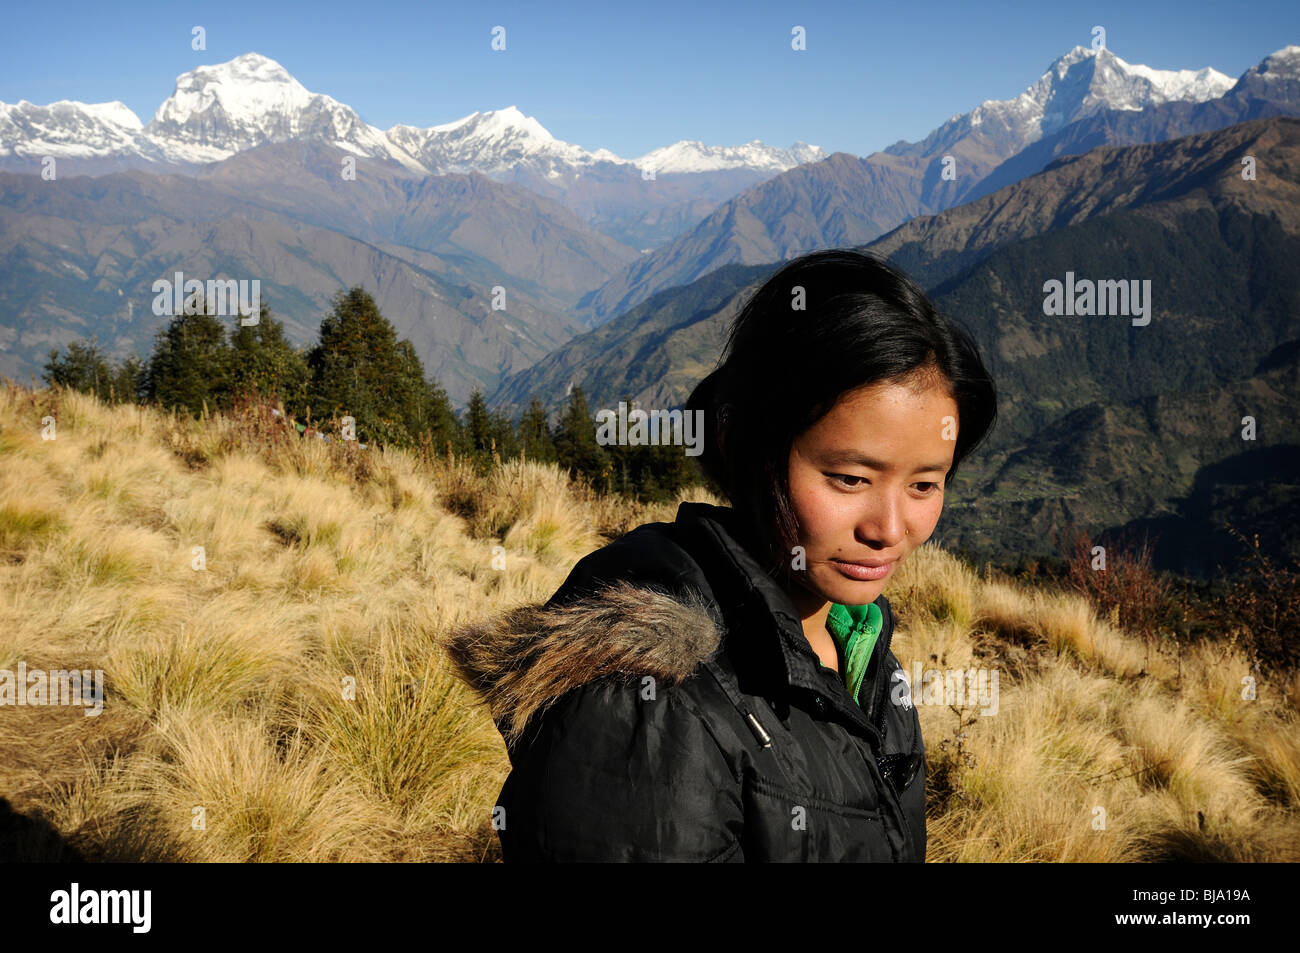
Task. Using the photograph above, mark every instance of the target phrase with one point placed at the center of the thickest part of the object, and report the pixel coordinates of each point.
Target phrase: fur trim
(523, 660)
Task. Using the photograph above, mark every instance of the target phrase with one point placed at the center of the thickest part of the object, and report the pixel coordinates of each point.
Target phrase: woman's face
(866, 482)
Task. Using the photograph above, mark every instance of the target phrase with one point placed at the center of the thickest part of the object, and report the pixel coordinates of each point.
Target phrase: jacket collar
(656, 602)
(714, 537)
(742, 586)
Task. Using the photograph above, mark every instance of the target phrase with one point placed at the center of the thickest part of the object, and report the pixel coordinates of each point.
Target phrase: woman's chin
(837, 587)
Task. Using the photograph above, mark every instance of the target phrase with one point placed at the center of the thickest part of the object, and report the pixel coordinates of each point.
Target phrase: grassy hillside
(226, 666)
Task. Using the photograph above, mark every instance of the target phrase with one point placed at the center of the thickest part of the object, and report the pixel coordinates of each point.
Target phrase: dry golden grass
(268, 614)
(1103, 747)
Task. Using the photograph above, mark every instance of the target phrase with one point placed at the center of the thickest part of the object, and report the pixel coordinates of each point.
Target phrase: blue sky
(630, 77)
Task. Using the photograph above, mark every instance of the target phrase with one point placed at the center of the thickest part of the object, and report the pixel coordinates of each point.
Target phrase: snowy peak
(216, 111)
(501, 139)
(508, 123)
(243, 89)
(1076, 85)
(1285, 62)
(1277, 76)
(70, 129)
(492, 142)
(250, 101)
(1085, 80)
(694, 156)
(116, 112)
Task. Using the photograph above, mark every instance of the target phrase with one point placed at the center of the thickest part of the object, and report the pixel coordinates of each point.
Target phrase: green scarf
(856, 629)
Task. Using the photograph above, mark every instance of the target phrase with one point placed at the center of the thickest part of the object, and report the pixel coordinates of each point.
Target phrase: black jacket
(664, 704)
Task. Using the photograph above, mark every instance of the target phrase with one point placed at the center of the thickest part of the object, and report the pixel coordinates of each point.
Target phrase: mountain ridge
(251, 100)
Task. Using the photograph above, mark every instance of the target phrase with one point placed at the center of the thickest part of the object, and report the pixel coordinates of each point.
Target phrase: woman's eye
(928, 488)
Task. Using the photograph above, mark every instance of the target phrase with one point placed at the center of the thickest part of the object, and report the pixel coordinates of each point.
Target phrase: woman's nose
(883, 525)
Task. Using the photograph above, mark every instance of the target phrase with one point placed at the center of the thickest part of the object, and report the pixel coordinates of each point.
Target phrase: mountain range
(622, 275)
(242, 148)
(219, 111)
(1085, 99)
(1102, 423)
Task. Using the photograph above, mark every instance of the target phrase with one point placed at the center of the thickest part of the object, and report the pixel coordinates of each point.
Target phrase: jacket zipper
(878, 709)
(892, 798)
(872, 719)
(864, 719)
(875, 719)
(877, 712)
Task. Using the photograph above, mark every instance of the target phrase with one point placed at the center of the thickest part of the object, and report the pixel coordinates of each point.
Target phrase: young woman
(720, 688)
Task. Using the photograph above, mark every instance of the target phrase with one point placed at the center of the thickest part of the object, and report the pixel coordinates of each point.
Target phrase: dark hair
(783, 369)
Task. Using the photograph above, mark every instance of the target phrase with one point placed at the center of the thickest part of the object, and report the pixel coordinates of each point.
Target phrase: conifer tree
(191, 361)
(83, 367)
(128, 379)
(576, 447)
(535, 433)
(431, 410)
(478, 424)
(264, 359)
(358, 369)
(503, 436)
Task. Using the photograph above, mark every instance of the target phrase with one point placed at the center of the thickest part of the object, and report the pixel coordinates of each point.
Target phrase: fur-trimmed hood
(524, 659)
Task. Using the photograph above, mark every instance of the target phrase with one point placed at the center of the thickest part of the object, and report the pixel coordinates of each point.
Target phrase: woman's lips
(863, 573)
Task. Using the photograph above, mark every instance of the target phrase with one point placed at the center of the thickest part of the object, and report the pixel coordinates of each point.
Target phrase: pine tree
(535, 433)
(504, 437)
(478, 424)
(85, 368)
(128, 380)
(681, 470)
(576, 447)
(82, 368)
(445, 428)
(655, 471)
(263, 359)
(358, 369)
(649, 490)
(421, 405)
(429, 412)
(191, 361)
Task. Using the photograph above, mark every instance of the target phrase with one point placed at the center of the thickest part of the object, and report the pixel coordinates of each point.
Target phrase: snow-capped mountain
(71, 129)
(694, 156)
(1276, 77)
(250, 101)
(1076, 85)
(492, 142)
(496, 141)
(847, 201)
(217, 111)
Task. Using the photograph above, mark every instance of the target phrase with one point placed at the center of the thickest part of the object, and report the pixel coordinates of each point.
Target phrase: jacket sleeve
(614, 774)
